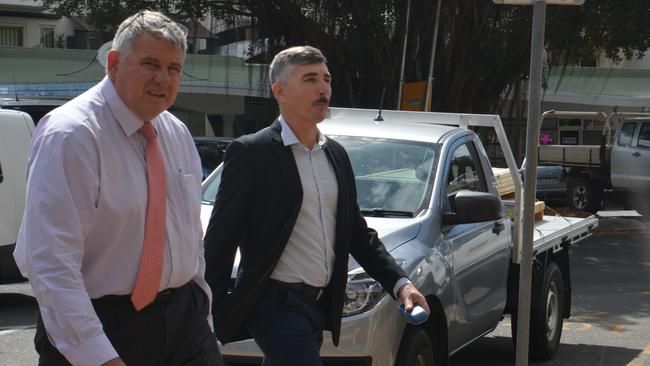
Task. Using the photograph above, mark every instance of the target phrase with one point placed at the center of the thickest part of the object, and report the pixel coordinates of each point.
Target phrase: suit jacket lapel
(287, 169)
(342, 205)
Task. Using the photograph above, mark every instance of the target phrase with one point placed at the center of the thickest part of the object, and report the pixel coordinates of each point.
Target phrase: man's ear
(278, 91)
(113, 58)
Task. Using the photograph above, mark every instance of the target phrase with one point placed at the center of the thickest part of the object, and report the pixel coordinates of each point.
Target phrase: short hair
(153, 23)
(286, 59)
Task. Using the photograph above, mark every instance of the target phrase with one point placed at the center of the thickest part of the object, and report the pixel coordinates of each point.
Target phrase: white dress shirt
(83, 228)
(309, 254)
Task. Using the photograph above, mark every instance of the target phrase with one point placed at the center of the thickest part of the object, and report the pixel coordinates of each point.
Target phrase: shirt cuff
(94, 351)
(398, 285)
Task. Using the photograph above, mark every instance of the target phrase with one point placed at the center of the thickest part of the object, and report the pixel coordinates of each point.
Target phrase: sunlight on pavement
(577, 327)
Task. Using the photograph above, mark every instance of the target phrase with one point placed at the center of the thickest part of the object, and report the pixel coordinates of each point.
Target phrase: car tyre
(584, 195)
(547, 319)
(415, 349)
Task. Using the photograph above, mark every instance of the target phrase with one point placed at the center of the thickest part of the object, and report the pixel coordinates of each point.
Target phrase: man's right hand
(114, 362)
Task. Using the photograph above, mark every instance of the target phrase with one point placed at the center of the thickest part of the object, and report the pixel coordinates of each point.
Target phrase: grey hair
(153, 23)
(285, 60)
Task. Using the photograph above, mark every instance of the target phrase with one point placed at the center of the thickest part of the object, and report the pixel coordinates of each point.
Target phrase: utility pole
(401, 73)
(530, 174)
(427, 99)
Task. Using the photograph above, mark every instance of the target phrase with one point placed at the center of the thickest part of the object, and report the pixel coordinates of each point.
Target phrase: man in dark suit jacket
(287, 199)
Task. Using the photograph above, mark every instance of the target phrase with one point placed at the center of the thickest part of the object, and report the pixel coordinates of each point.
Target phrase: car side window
(626, 134)
(464, 171)
(644, 135)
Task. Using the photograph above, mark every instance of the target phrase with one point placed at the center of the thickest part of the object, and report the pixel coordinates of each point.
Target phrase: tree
(483, 49)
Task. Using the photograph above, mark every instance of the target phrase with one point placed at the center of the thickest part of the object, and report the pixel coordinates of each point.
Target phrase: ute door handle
(498, 227)
(636, 154)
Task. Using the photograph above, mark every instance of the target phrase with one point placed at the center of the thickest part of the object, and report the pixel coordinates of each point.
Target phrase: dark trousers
(287, 327)
(173, 330)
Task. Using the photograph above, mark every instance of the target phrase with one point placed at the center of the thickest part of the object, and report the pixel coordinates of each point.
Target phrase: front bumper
(369, 338)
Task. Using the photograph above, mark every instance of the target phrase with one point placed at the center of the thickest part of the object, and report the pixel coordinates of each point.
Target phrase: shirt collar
(128, 121)
(289, 138)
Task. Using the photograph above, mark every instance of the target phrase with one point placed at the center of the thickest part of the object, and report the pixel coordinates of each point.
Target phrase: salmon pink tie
(151, 261)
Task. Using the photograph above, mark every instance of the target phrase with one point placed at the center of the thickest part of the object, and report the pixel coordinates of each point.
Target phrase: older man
(111, 238)
(287, 199)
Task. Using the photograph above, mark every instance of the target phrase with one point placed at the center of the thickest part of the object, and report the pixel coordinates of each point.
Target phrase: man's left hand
(409, 295)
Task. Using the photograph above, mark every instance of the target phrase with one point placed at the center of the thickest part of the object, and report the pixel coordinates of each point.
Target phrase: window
(11, 36)
(627, 132)
(391, 174)
(547, 137)
(464, 172)
(644, 135)
(570, 122)
(549, 124)
(47, 37)
(591, 137)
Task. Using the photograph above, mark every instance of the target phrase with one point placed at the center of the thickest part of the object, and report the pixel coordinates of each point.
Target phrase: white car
(16, 130)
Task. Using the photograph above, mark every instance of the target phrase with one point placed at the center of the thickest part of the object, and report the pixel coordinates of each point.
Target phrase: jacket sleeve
(371, 254)
(228, 220)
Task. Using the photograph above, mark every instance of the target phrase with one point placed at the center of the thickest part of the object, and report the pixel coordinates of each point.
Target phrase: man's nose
(162, 76)
(324, 88)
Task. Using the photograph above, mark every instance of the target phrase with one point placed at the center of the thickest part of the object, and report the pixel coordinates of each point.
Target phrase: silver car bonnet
(393, 232)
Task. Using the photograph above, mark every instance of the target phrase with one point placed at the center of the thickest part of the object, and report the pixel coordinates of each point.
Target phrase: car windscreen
(393, 177)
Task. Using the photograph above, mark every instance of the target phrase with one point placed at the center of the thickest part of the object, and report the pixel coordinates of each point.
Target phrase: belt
(162, 295)
(308, 291)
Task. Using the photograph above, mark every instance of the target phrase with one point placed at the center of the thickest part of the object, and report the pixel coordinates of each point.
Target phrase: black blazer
(256, 207)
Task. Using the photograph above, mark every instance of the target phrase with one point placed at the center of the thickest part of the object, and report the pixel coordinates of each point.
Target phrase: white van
(16, 130)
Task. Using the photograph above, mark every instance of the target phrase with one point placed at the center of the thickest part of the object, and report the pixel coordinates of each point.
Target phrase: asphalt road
(610, 323)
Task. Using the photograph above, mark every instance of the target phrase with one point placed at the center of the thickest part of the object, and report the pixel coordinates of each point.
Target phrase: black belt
(162, 295)
(308, 291)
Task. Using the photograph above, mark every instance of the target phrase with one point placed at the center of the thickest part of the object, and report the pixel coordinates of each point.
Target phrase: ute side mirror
(472, 207)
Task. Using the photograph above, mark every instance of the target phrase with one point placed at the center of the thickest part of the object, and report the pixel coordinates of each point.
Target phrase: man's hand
(409, 295)
(114, 362)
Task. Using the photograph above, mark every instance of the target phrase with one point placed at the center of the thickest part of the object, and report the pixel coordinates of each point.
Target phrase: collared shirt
(83, 227)
(309, 254)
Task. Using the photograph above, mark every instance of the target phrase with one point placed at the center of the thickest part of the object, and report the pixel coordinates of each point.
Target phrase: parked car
(211, 151)
(620, 164)
(35, 107)
(551, 183)
(16, 130)
(429, 191)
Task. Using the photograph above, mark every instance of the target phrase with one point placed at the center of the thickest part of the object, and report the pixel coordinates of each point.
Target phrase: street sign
(531, 2)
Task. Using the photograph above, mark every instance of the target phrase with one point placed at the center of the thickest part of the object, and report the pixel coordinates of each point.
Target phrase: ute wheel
(583, 195)
(415, 349)
(546, 320)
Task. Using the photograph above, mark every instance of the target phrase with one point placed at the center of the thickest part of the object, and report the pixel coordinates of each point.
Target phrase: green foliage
(59, 41)
(616, 28)
(483, 49)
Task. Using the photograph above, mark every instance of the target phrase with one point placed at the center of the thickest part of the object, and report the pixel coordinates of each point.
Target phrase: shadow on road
(499, 351)
(17, 311)
(620, 262)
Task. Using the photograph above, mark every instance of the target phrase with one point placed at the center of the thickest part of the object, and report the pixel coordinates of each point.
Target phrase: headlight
(361, 294)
